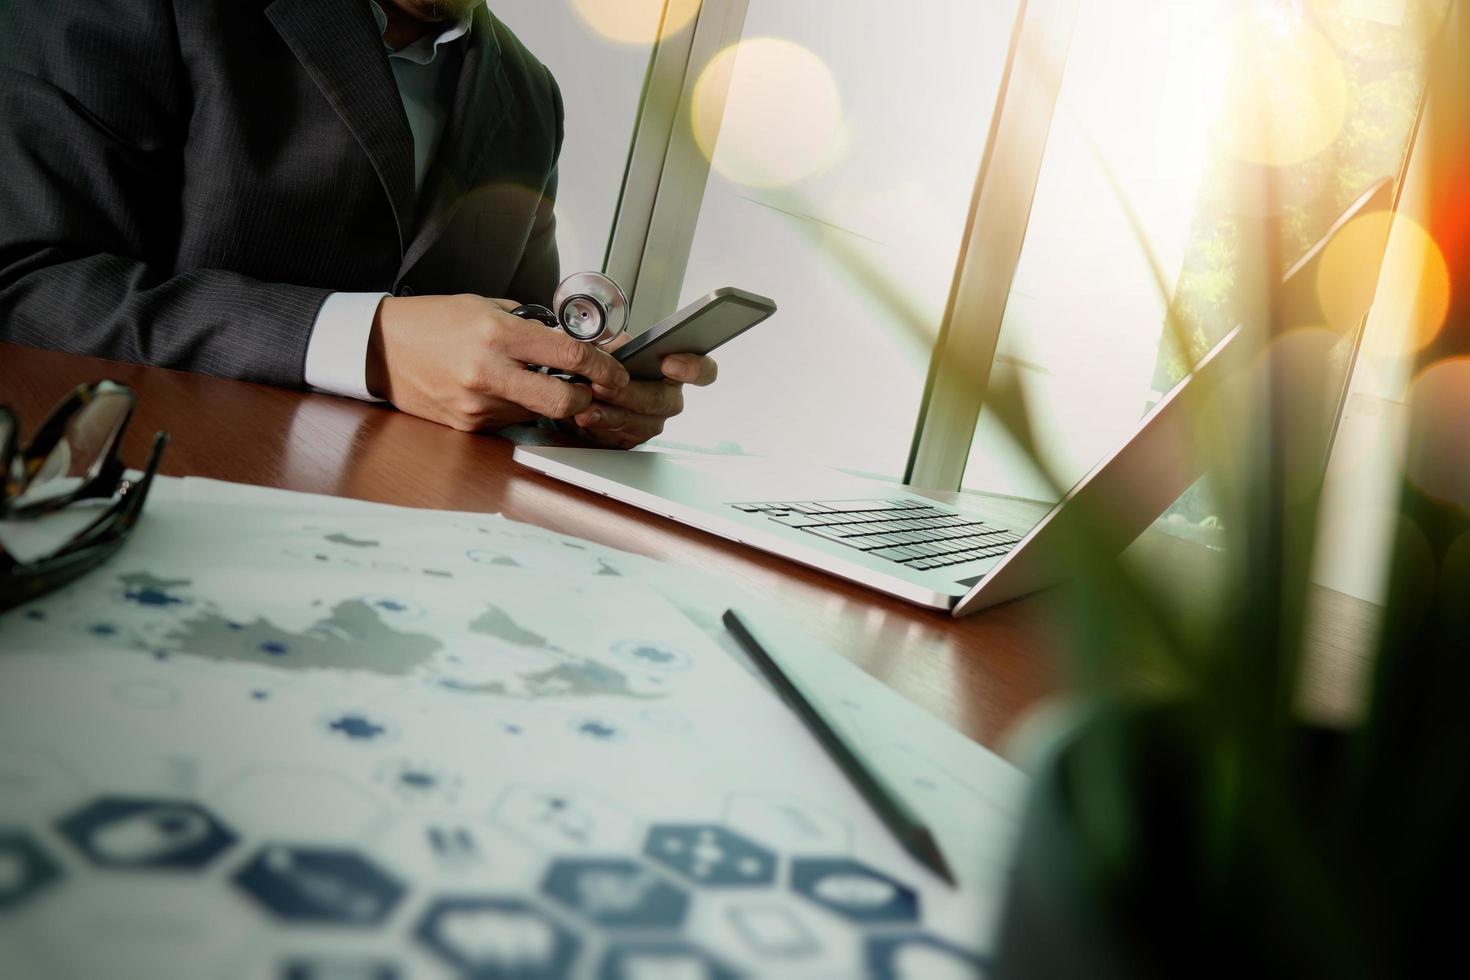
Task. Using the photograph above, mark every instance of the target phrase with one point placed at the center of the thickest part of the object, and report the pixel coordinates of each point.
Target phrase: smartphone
(698, 328)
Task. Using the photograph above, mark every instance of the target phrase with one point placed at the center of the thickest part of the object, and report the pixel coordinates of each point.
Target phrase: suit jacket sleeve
(536, 277)
(93, 117)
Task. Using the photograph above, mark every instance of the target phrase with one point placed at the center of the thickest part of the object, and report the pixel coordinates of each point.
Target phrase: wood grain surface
(979, 674)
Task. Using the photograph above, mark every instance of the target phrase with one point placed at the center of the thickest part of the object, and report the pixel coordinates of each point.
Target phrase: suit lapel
(480, 105)
(338, 44)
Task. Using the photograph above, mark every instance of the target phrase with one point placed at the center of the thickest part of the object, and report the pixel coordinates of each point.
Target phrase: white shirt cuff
(336, 354)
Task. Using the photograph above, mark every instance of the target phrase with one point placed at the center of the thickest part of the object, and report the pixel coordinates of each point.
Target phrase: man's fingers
(690, 369)
(635, 430)
(531, 342)
(602, 416)
(551, 397)
(644, 398)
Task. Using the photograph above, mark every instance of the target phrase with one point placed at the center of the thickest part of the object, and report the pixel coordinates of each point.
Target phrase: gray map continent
(574, 679)
(497, 622)
(353, 637)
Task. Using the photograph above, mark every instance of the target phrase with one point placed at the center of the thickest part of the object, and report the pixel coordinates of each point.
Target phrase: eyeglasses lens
(82, 449)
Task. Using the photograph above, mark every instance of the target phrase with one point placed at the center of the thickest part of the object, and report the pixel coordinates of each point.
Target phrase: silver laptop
(905, 544)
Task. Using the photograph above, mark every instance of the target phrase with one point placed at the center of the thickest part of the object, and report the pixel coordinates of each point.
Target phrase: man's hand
(629, 417)
(461, 361)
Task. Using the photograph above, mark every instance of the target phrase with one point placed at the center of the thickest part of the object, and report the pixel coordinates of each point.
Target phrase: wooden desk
(979, 674)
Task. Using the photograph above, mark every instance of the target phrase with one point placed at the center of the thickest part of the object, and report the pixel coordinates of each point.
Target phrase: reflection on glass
(829, 378)
(1153, 92)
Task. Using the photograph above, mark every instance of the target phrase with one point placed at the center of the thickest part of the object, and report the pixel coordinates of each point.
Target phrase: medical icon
(773, 931)
(320, 885)
(25, 870)
(662, 961)
(565, 818)
(790, 825)
(149, 834)
(616, 893)
(418, 782)
(357, 727)
(598, 729)
(651, 655)
(920, 957)
(453, 846)
(497, 937)
(853, 890)
(711, 855)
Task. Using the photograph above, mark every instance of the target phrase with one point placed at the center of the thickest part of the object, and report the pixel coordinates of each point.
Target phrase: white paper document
(284, 735)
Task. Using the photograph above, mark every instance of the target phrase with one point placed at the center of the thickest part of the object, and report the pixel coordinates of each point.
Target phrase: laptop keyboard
(913, 534)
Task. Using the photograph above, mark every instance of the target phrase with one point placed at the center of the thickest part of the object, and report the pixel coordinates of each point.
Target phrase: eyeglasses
(73, 457)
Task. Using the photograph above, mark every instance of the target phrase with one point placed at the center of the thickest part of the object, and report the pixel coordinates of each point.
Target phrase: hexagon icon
(616, 893)
(853, 890)
(25, 869)
(711, 855)
(562, 819)
(147, 834)
(640, 961)
(790, 825)
(920, 956)
(495, 938)
(321, 886)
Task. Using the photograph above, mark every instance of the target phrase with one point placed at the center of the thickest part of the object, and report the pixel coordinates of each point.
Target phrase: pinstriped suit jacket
(182, 182)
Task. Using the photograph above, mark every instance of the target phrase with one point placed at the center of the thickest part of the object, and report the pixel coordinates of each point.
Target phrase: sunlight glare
(1288, 99)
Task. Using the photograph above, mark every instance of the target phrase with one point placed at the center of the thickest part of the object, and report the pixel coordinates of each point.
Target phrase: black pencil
(902, 822)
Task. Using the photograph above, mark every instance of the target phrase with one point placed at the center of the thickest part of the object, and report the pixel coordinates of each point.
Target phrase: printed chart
(291, 737)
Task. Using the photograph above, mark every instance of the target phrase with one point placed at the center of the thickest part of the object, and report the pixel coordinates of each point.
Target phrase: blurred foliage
(1202, 825)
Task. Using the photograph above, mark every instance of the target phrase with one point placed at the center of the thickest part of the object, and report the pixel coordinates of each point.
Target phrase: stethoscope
(587, 306)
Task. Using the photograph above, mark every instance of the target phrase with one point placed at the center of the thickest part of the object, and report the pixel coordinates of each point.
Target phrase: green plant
(1196, 820)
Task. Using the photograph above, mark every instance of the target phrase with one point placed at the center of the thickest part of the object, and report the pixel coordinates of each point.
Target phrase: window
(1164, 96)
(599, 53)
(847, 129)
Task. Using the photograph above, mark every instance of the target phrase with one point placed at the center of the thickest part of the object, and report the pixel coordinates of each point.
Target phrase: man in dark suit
(299, 192)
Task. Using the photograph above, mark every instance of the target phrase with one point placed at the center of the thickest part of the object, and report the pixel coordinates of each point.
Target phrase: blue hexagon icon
(497, 939)
(636, 961)
(711, 855)
(853, 890)
(616, 893)
(147, 834)
(920, 955)
(25, 869)
(319, 886)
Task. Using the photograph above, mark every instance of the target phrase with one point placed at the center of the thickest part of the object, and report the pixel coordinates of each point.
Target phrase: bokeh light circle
(636, 21)
(1416, 287)
(1287, 100)
(1439, 449)
(767, 113)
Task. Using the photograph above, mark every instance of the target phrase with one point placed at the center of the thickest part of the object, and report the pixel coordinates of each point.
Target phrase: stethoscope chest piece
(587, 306)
